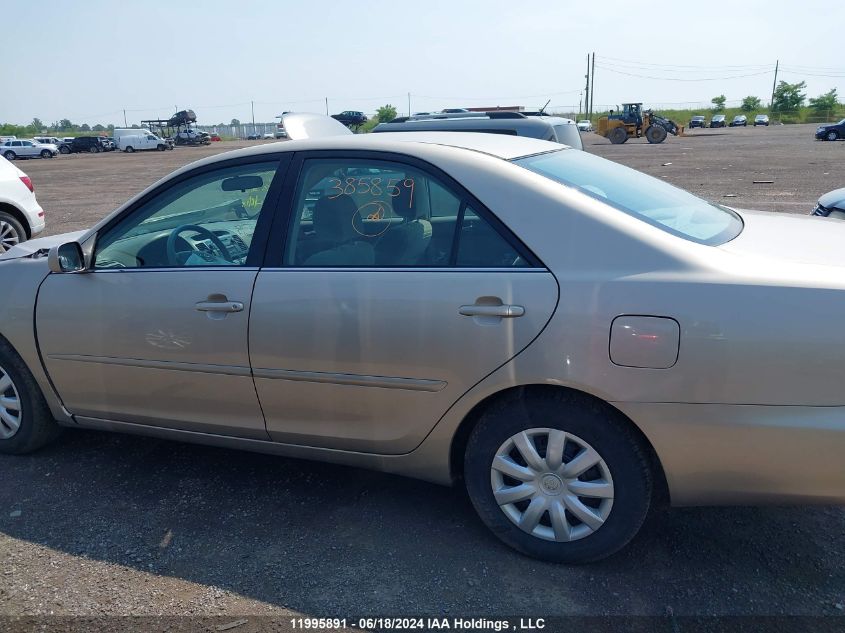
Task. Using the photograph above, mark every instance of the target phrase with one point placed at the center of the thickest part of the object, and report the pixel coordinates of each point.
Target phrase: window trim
(269, 209)
(279, 232)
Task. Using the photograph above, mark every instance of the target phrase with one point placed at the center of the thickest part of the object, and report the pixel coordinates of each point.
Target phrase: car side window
(374, 213)
(206, 220)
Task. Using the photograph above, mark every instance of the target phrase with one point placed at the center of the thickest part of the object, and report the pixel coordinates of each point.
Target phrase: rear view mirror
(67, 258)
(242, 183)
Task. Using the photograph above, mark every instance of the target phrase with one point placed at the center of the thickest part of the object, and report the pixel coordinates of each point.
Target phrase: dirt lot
(105, 524)
(720, 165)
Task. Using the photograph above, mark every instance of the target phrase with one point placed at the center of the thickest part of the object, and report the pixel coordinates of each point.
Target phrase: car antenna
(543, 109)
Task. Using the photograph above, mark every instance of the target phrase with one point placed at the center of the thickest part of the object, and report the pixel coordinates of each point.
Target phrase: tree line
(787, 98)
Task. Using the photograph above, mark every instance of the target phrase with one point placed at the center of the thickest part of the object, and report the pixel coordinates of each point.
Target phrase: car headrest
(334, 217)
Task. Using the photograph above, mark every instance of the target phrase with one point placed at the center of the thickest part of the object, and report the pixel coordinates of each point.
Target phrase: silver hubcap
(10, 406)
(552, 484)
(8, 236)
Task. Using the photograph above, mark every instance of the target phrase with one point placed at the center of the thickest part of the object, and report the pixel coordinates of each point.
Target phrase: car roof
(504, 146)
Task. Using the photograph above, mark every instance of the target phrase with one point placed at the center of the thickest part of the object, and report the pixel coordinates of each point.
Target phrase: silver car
(569, 339)
(26, 148)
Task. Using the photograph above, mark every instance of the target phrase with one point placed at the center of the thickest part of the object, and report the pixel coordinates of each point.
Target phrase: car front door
(396, 292)
(155, 333)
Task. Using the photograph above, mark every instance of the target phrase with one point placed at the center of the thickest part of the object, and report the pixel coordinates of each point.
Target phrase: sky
(104, 56)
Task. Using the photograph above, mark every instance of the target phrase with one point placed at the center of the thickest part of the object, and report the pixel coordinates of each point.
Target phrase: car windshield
(648, 199)
(698, 118)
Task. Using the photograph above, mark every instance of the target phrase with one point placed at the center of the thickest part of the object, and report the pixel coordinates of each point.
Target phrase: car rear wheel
(832, 135)
(558, 476)
(161, 148)
(11, 232)
(46, 153)
(10, 155)
(129, 149)
(617, 135)
(25, 419)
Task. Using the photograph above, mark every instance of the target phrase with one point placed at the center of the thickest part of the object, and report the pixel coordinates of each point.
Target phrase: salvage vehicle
(831, 131)
(27, 148)
(717, 120)
(21, 217)
(572, 341)
(761, 119)
(697, 121)
(740, 120)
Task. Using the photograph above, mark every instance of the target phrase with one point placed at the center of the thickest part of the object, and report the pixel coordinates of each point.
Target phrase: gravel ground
(100, 524)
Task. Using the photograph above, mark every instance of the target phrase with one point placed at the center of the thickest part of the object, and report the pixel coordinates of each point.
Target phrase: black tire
(129, 149)
(161, 148)
(16, 227)
(46, 153)
(617, 135)
(10, 155)
(832, 135)
(64, 150)
(655, 134)
(37, 425)
(592, 421)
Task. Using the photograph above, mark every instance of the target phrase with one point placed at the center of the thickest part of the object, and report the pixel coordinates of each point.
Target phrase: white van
(131, 140)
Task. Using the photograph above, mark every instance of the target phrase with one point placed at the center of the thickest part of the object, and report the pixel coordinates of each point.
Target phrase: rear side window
(374, 214)
(568, 134)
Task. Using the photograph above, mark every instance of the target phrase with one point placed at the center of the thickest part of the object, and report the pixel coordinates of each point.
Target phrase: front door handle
(219, 306)
(502, 311)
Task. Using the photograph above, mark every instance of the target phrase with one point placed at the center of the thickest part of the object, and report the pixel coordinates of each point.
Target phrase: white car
(21, 217)
(269, 135)
(585, 125)
(26, 148)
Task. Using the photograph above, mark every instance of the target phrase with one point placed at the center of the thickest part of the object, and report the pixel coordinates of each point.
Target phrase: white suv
(21, 217)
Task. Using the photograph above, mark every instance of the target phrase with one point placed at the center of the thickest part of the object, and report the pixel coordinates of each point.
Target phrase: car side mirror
(66, 258)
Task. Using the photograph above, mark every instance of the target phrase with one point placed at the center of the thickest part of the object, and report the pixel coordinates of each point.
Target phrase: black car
(351, 118)
(831, 131)
(697, 121)
(831, 205)
(718, 120)
(90, 144)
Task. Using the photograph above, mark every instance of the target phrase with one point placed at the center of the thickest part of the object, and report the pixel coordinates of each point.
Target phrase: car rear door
(355, 346)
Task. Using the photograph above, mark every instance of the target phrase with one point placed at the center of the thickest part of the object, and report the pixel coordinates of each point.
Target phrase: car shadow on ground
(325, 539)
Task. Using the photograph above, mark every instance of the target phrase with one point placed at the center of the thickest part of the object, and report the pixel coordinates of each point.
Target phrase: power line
(620, 72)
(635, 64)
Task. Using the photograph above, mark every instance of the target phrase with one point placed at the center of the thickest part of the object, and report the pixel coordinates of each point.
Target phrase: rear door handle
(503, 311)
(219, 306)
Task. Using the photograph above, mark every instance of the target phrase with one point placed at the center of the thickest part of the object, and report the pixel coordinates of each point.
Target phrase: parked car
(27, 148)
(253, 137)
(21, 217)
(565, 386)
(697, 121)
(831, 204)
(831, 131)
(107, 144)
(717, 120)
(761, 119)
(453, 110)
(49, 140)
(351, 118)
(740, 120)
(79, 144)
(269, 135)
(557, 129)
(585, 125)
(215, 137)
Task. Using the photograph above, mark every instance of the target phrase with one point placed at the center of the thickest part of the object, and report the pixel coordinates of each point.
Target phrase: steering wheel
(173, 255)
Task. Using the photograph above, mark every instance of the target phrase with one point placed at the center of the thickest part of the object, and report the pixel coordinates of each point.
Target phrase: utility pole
(587, 88)
(592, 84)
(774, 84)
(125, 124)
(409, 104)
(327, 106)
(580, 97)
(252, 104)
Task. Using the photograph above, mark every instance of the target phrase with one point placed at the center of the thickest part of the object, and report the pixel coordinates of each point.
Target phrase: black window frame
(266, 215)
(280, 234)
